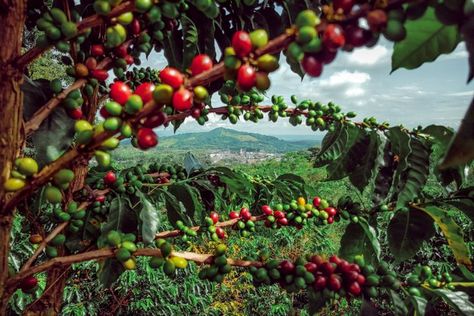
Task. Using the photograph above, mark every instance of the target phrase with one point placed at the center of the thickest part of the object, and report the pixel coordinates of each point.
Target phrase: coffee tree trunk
(12, 20)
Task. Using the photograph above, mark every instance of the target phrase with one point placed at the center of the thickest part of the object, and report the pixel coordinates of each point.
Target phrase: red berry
(215, 217)
(220, 232)
(100, 198)
(172, 77)
(121, 51)
(311, 267)
(91, 63)
(333, 37)
(309, 214)
(97, 50)
(246, 77)
(344, 266)
(344, 5)
(279, 214)
(75, 114)
(316, 259)
(182, 100)
(316, 201)
(245, 214)
(326, 56)
(354, 288)
(287, 267)
(357, 36)
(335, 259)
(146, 138)
(355, 267)
(234, 215)
(267, 210)
(360, 279)
(330, 220)
(99, 74)
(110, 177)
(268, 223)
(319, 283)
(283, 221)
(241, 43)
(28, 283)
(155, 120)
(334, 282)
(311, 65)
(129, 59)
(328, 268)
(351, 276)
(145, 91)
(120, 92)
(331, 211)
(200, 64)
(135, 27)
(196, 113)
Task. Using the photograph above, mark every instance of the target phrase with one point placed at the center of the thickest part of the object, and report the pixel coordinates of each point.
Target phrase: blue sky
(435, 93)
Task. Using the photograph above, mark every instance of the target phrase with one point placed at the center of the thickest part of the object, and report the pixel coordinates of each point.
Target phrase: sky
(360, 81)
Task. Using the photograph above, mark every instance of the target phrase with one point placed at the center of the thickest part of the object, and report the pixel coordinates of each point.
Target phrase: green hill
(228, 139)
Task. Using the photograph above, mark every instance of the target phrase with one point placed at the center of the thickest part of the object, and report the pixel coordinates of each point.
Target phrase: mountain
(229, 139)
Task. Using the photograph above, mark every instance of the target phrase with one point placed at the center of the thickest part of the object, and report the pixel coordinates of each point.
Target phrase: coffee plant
(57, 144)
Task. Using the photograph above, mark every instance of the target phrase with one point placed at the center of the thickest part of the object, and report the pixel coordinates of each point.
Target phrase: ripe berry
(246, 77)
(97, 50)
(99, 74)
(267, 210)
(200, 64)
(351, 276)
(234, 215)
(100, 198)
(279, 214)
(330, 220)
(344, 266)
(319, 283)
(286, 267)
(311, 267)
(110, 177)
(196, 113)
(121, 51)
(28, 283)
(354, 289)
(377, 20)
(335, 259)
(283, 221)
(316, 201)
(333, 37)
(360, 279)
(215, 217)
(357, 36)
(135, 27)
(220, 232)
(328, 267)
(155, 120)
(318, 260)
(334, 282)
(326, 56)
(182, 100)
(145, 91)
(312, 66)
(75, 114)
(245, 214)
(344, 5)
(331, 211)
(146, 138)
(241, 43)
(172, 77)
(120, 92)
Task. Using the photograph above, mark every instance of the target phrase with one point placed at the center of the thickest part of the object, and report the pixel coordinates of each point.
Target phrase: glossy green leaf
(149, 220)
(121, 216)
(407, 231)
(426, 39)
(235, 182)
(457, 300)
(452, 232)
(191, 163)
(399, 306)
(110, 271)
(419, 304)
(188, 196)
(360, 239)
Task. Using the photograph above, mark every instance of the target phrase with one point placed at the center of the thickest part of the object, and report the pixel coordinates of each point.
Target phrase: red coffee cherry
(246, 77)
(234, 215)
(286, 267)
(241, 43)
(312, 65)
(333, 37)
(357, 36)
(220, 232)
(320, 283)
(215, 217)
(75, 114)
(155, 120)
(334, 282)
(377, 20)
(200, 64)
(267, 210)
(120, 92)
(245, 214)
(172, 77)
(344, 5)
(182, 100)
(145, 91)
(97, 50)
(354, 289)
(146, 138)
(110, 177)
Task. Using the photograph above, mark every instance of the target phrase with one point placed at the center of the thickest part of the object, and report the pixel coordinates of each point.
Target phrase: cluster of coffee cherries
(167, 261)
(168, 172)
(187, 232)
(124, 247)
(299, 213)
(351, 210)
(235, 99)
(219, 267)
(245, 223)
(137, 76)
(210, 222)
(242, 66)
(57, 29)
(423, 275)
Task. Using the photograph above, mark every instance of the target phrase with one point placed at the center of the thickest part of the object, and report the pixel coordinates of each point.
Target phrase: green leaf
(173, 49)
(189, 197)
(175, 209)
(110, 271)
(56, 132)
(412, 180)
(407, 231)
(400, 146)
(419, 304)
(464, 205)
(456, 299)
(121, 216)
(451, 231)
(149, 220)
(461, 150)
(399, 306)
(384, 176)
(190, 41)
(235, 182)
(360, 239)
(426, 39)
(191, 163)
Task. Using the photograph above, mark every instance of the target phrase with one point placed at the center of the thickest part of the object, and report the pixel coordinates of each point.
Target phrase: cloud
(355, 92)
(345, 77)
(460, 94)
(368, 56)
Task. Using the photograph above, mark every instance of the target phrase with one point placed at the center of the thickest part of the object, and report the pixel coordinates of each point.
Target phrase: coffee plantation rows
(81, 210)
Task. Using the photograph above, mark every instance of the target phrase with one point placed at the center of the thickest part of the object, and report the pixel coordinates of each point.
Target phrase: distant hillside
(228, 139)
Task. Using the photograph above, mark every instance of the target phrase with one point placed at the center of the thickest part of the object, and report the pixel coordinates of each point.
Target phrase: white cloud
(460, 94)
(355, 92)
(368, 56)
(345, 77)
